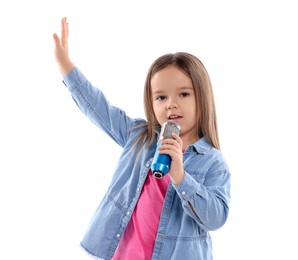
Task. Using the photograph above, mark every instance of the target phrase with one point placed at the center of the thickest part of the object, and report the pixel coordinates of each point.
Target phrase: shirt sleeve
(206, 203)
(93, 103)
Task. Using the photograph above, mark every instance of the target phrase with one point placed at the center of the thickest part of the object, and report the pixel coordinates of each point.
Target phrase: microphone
(161, 162)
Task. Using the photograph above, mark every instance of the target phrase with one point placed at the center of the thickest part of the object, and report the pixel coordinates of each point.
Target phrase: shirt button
(160, 237)
(128, 212)
(147, 165)
(118, 235)
(138, 189)
(183, 193)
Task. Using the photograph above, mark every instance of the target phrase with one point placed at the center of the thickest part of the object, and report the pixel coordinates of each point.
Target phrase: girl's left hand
(173, 147)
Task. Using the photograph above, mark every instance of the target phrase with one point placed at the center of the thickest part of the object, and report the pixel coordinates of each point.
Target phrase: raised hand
(61, 49)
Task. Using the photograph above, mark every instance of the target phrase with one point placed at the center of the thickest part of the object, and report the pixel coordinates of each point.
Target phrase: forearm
(208, 206)
(93, 103)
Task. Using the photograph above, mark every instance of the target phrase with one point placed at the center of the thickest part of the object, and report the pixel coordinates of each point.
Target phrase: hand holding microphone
(161, 162)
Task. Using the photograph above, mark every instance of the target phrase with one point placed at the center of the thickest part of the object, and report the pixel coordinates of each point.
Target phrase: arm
(93, 103)
(61, 49)
(89, 99)
(205, 193)
(207, 203)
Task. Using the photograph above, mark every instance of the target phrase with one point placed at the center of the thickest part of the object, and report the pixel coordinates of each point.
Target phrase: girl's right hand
(61, 49)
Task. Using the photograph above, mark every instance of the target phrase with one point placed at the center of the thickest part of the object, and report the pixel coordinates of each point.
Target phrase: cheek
(156, 107)
(158, 112)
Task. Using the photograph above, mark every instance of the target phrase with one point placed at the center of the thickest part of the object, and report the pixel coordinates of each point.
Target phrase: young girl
(143, 217)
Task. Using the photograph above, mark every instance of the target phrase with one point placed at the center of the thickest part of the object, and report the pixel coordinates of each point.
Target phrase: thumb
(56, 39)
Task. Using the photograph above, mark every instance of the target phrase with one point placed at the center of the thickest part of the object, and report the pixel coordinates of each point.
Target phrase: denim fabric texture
(199, 204)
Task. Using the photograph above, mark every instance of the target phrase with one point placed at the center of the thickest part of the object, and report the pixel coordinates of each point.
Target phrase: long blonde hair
(206, 112)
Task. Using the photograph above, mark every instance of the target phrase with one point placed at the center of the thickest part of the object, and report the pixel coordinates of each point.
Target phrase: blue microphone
(161, 162)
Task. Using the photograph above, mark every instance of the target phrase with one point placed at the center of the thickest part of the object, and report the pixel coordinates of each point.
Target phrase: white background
(55, 165)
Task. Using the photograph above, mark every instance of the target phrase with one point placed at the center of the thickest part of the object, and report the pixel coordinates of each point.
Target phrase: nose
(172, 103)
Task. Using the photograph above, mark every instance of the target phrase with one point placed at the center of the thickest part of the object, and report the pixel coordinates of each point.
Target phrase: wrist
(176, 179)
(66, 67)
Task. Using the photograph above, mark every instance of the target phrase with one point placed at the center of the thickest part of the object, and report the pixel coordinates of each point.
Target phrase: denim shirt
(197, 205)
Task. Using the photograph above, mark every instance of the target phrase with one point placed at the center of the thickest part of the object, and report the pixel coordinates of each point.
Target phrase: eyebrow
(179, 89)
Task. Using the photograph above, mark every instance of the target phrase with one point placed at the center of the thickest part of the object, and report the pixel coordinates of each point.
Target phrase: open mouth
(174, 117)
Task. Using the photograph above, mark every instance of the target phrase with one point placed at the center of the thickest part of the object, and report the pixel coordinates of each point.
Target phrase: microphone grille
(168, 128)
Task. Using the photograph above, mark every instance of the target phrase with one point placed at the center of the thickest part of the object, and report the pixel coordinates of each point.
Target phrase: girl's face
(173, 98)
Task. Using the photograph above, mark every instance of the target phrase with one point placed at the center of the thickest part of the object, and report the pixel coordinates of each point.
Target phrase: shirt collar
(202, 146)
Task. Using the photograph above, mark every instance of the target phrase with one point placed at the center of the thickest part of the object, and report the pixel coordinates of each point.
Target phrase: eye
(160, 98)
(184, 94)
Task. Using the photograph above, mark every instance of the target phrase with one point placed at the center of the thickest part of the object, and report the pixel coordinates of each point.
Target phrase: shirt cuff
(73, 79)
(187, 188)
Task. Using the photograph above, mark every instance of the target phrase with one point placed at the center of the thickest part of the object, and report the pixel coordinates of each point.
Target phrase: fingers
(178, 140)
(174, 145)
(64, 31)
(170, 149)
(63, 40)
(61, 49)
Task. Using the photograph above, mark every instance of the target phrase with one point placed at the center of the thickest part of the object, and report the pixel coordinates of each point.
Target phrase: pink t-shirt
(138, 239)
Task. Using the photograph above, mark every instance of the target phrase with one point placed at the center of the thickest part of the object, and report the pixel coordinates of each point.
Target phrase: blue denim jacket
(197, 205)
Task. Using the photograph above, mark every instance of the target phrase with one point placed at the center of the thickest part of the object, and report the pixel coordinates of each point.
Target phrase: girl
(142, 217)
